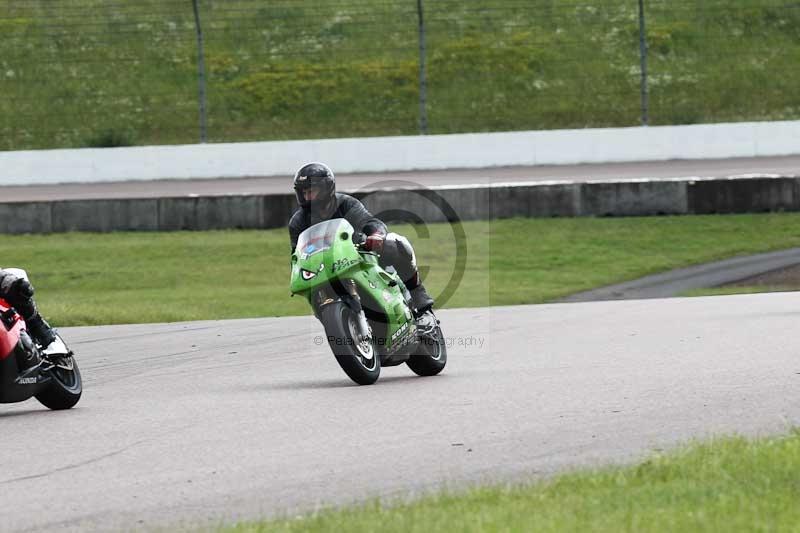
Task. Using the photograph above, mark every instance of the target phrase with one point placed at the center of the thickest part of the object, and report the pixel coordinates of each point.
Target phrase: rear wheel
(430, 356)
(357, 357)
(65, 387)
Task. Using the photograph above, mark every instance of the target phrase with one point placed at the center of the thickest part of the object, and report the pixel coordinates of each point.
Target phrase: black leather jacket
(348, 208)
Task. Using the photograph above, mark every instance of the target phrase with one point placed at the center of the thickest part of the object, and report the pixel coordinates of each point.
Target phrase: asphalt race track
(786, 166)
(198, 424)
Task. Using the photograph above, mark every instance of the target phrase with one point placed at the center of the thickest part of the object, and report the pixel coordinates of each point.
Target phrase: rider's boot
(422, 306)
(40, 330)
(421, 301)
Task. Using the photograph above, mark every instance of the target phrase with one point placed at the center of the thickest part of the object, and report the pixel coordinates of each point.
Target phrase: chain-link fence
(112, 72)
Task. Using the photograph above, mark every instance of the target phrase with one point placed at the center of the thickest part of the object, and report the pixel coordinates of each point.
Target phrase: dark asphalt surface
(198, 424)
(676, 282)
(353, 182)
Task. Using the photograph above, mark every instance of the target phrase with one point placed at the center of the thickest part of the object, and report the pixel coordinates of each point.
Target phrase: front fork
(346, 292)
(363, 327)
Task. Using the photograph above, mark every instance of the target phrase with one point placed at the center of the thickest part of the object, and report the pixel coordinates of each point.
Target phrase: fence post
(643, 59)
(423, 76)
(201, 73)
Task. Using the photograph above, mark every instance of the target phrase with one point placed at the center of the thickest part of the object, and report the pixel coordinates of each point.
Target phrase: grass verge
(86, 279)
(729, 484)
(99, 73)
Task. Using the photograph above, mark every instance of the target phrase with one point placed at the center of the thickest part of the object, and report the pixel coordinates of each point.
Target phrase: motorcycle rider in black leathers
(18, 292)
(315, 188)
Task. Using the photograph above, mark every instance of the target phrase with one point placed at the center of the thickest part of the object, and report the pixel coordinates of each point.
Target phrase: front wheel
(430, 356)
(358, 358)
(65, 387)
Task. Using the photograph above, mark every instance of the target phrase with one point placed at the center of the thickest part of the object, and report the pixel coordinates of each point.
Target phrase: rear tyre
(430, 356)
(358, 359)
(65, 387)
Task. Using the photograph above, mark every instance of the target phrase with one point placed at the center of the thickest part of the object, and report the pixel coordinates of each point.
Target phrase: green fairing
(326, 252)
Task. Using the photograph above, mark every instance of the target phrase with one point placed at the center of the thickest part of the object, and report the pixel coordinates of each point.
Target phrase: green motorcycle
(366, 310)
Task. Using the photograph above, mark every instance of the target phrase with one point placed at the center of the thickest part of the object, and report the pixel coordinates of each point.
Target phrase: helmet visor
(312, 193)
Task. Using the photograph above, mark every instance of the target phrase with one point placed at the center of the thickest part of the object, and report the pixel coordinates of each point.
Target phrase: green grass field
(95, 73)
(84, 279)
(731, 485)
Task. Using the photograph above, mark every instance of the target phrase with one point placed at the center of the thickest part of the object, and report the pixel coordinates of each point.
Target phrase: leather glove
(375, 242)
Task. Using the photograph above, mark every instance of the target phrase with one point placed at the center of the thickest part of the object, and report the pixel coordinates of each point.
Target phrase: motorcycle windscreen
(317, 238)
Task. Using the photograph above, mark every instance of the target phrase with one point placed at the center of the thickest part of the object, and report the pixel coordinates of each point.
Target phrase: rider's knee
(402, 248)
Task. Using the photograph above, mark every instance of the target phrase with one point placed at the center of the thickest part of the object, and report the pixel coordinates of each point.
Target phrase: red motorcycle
(26, 369)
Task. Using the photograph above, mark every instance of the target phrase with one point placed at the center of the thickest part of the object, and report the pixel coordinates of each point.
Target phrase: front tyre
(65, 387)
(430, 356)
(358, 358)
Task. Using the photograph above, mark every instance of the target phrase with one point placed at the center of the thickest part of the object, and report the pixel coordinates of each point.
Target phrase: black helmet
(319, 176)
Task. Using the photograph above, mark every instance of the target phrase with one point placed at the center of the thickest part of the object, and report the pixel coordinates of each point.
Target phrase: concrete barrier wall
(550, 199)
(744, 195)
(381, 154)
